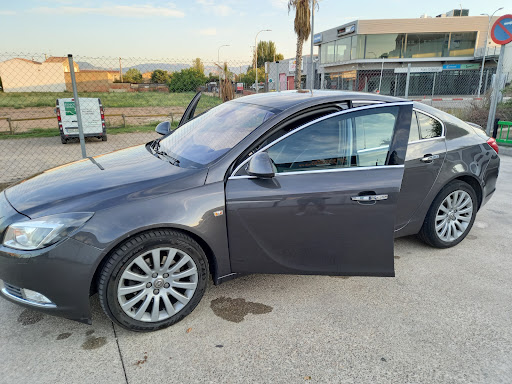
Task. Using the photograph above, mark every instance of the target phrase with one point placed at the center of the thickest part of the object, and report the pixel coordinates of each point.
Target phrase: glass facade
(389, 46)
(343, 48)
(398, 45)
(462, 43)
(420, 45)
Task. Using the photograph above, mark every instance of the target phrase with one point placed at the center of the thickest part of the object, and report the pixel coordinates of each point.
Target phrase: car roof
(286, 99)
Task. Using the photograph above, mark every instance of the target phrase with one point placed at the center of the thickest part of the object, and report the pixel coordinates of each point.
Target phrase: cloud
(114, 10)
(281, 4)
(208, 32)
(209, 6)
(7, 13)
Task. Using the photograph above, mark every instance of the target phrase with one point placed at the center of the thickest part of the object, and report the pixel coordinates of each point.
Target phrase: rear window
(429, 127)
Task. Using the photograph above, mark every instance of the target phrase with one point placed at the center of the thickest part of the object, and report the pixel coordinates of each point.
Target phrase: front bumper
(62, 272)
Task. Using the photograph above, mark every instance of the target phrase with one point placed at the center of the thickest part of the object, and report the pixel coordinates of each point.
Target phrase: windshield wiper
(172, 160)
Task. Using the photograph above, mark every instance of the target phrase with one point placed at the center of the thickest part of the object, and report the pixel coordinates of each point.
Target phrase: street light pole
(485, 49)
(256, 55)
(312, 82)
(218, 61)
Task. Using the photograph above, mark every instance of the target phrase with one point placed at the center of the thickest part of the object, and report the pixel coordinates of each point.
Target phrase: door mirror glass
(261, 166)
(163, 128)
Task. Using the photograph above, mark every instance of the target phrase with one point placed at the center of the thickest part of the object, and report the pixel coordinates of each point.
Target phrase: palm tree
(302, 28)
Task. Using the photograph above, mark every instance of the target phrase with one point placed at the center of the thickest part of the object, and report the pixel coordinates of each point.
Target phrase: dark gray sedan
(288, 182)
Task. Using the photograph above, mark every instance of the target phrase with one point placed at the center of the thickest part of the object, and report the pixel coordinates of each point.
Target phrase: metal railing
(504, 134)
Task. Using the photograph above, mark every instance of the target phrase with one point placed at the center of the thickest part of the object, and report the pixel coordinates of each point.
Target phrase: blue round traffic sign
(501, 32)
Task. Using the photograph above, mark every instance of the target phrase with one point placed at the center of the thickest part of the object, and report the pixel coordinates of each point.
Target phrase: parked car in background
(284, 182)
(260, 86)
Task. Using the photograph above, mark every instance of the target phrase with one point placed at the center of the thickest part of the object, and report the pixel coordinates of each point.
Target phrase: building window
(343, 49)
(328, 52)
(420, 45)
(389, 46)
(354, 48)
(462, 43)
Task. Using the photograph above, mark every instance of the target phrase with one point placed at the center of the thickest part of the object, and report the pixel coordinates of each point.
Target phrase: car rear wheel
(153, 280)
(450, 216)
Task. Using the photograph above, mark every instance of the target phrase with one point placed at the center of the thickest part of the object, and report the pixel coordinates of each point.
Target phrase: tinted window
(355, 139)
(414, 134)
(429, 127)
(210, 135)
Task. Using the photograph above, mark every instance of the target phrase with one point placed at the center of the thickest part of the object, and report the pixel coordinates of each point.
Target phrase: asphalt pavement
(445, 318)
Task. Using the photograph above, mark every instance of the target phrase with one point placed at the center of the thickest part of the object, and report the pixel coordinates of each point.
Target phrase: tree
(132, 75)
(160, 76)
(249, 78)
(302, 27)
(187, 80)
(198, 65)
(267, 52)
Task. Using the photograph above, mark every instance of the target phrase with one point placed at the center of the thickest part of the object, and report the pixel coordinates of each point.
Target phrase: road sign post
(501, 34)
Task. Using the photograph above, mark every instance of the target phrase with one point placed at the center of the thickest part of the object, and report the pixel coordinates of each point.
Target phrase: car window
(356, 139)
(429, 127)
(210, 135)
(414, 133)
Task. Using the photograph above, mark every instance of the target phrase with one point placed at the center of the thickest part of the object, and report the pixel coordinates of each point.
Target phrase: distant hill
(150, 67)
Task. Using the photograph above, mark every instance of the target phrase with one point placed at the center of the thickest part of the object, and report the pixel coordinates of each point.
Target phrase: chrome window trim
(362, 108)
(323, 171)
(433, 117)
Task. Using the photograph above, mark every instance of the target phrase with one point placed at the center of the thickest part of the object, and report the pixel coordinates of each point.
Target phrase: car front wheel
(450, 216)
(153, 280)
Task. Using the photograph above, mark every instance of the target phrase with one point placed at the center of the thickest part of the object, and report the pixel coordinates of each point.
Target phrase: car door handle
(429, 158)
(370, 198)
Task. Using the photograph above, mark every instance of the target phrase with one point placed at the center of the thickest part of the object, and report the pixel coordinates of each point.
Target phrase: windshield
(212, 134)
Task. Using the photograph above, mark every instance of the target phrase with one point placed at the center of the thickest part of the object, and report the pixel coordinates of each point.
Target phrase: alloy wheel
(454, 216)
(157, 284)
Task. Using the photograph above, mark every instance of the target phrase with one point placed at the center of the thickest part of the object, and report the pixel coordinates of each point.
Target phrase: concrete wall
(20, 75)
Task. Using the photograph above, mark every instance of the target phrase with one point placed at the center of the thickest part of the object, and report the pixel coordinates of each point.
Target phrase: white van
(93, 118)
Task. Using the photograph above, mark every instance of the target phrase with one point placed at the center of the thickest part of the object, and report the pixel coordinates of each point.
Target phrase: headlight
(39, 233)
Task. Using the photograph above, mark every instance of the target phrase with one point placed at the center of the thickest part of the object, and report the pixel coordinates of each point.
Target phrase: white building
(22, 75)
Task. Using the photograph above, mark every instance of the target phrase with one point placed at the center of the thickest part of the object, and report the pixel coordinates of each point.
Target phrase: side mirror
(163, 128)
(261, 166)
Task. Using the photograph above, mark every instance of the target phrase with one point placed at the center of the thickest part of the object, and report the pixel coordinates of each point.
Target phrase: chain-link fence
(121, 102)
(123, 99)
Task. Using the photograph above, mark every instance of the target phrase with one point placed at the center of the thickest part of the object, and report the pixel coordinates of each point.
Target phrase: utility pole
(485, 48)
(312, 64)
(120, 70)
(256, 56)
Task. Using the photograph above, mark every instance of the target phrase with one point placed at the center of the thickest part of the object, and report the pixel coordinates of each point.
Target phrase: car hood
(92, 184)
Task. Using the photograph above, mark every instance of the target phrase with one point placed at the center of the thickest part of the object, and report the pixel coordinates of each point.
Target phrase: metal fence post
(407, 80)
(77, 106)
(497, 86)
(433, 86)
(486, 81)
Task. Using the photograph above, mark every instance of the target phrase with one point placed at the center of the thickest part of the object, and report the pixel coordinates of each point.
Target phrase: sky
(183, 30)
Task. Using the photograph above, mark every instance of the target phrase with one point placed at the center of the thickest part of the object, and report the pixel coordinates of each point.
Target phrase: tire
(140, 312)
(63, 140)
(457, 219)
(104, 138)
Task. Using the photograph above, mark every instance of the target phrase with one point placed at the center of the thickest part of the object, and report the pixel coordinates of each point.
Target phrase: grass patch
(52, 132)
(108, 99)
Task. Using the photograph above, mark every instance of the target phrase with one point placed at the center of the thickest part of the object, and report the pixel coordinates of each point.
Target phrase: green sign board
(69, 106)
(470, 66)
